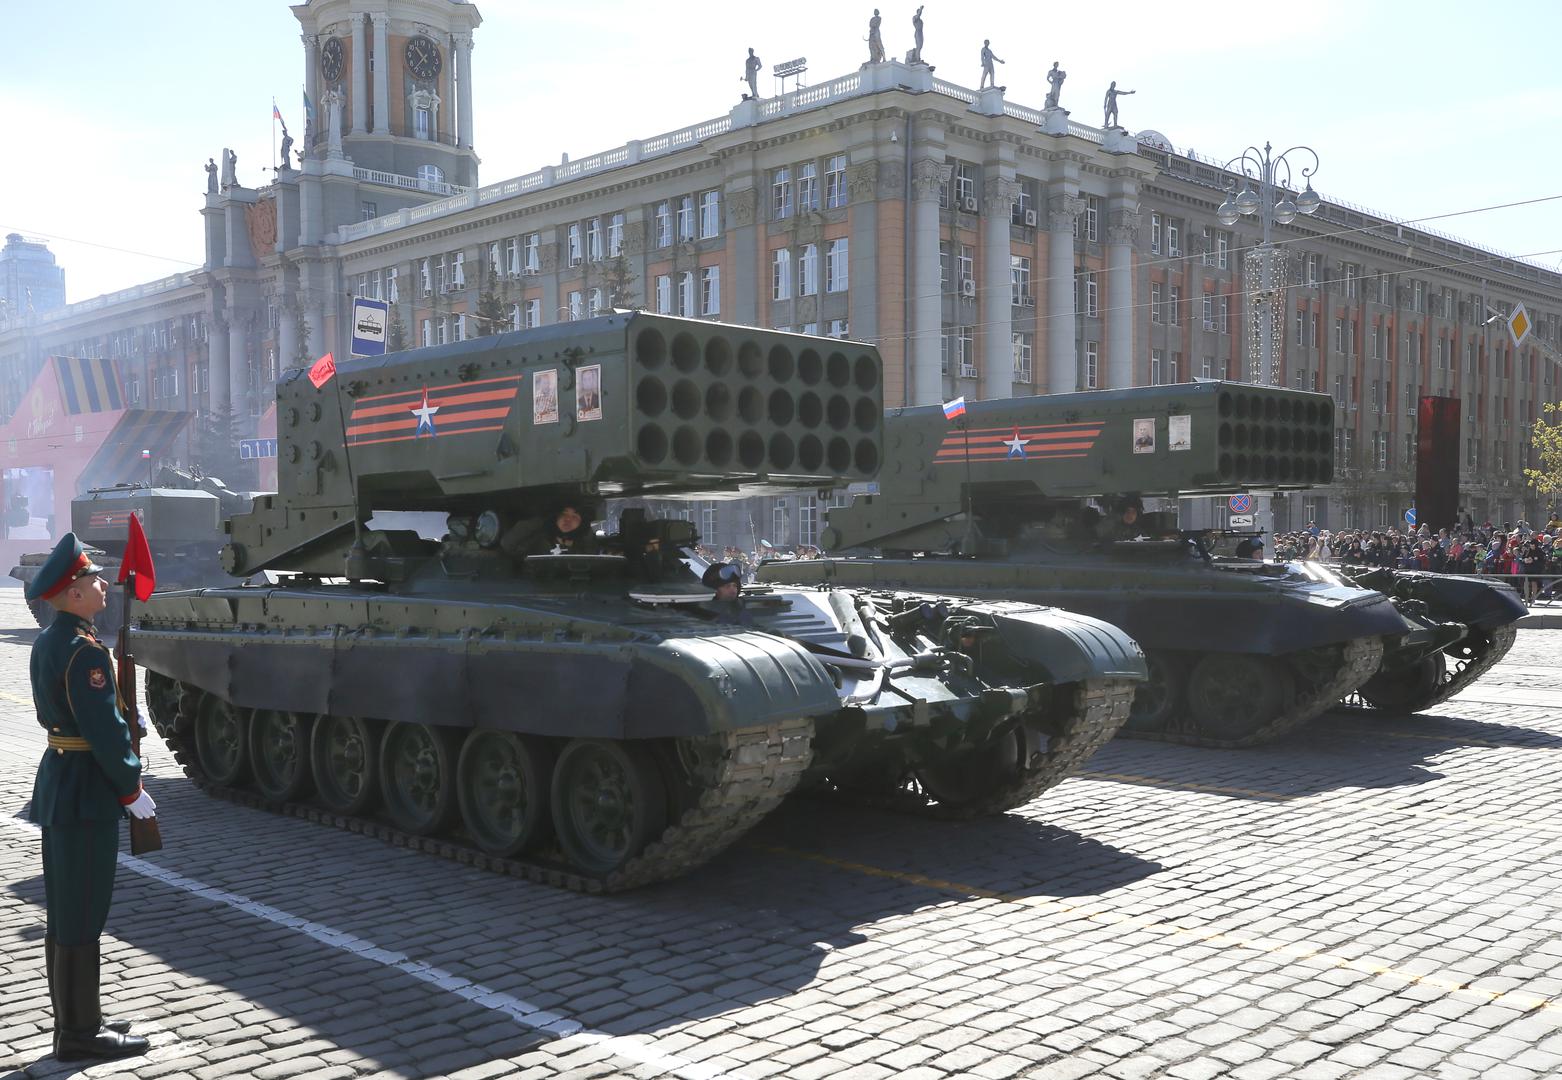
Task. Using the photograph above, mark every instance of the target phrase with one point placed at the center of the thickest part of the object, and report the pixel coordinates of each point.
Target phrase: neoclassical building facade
(989, 249)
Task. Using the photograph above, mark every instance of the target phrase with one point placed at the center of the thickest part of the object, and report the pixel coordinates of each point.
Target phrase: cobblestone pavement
(1368, 898)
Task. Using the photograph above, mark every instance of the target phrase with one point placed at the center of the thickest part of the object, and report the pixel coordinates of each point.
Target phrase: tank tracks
(753, 770)
(1323, 679)
(1098, 709)
(1460, 674)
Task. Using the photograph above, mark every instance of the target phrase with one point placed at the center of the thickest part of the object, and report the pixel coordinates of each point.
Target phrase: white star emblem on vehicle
(425, 415)
(1016, 445)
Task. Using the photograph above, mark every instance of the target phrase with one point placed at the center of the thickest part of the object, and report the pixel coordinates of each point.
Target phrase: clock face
(331, 56)
(422, 57)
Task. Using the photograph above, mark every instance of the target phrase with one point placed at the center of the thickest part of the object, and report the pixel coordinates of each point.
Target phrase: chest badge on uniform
(97, 678)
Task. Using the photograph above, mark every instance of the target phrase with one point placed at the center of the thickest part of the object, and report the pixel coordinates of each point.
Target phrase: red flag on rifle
(138, 561)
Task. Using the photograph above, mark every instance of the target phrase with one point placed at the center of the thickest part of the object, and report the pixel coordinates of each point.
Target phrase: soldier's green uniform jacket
(76, 698)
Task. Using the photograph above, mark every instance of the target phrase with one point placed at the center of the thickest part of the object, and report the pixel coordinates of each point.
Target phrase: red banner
(323, 371)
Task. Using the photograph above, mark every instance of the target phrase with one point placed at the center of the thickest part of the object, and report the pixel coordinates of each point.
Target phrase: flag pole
(968, 545)
(273, 133)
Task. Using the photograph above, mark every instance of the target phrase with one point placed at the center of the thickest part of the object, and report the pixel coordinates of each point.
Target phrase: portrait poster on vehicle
(1144, 436)
(545, 397)
(1179, 433)
(588, 393)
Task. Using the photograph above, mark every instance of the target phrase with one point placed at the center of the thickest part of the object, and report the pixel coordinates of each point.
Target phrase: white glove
(141, 722)
(143, 807)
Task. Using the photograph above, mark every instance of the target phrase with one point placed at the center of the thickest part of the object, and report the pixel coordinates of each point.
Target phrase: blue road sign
(1240, 504)
(1410, 516)
(251, 449)
(370, 320)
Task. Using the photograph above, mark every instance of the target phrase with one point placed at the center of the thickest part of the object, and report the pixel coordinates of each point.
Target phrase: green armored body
(1240, 651)
(584, 711)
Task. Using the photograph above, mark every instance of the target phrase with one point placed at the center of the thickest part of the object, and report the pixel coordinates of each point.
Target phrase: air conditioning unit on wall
(968, 205)
(1030, 219)
(968, 287)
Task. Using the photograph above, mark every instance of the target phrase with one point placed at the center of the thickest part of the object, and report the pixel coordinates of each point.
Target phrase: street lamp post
(1265, 264)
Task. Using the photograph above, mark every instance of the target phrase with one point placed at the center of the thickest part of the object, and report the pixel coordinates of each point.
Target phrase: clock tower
(389, 84)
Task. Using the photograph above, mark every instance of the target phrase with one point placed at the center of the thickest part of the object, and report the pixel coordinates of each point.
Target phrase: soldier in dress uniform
(88, 780)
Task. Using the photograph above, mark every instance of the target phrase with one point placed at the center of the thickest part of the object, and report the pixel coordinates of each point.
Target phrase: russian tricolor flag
(955, 408)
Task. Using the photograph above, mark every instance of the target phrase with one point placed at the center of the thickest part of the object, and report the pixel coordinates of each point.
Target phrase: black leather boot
(78, 1017)
(120, 1026)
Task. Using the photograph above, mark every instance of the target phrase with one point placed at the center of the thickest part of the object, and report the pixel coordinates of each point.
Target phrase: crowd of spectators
(1530, 558)
(748, 561)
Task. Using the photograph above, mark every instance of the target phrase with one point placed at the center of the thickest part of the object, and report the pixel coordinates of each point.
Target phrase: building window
(1157, 361)
(686, 219)
(686, 294)
(710, 214)
(840, 328)
(710, 290)
(780, 523)
(133, 389)
(1207, 368)
(781, 274)
(1092, 365)
(1352, 275)
(1223, 250)
(664, 224)
(836, 272)
(615, 236)
(1310, 270)
(369, 210)
(1092, 296)
(426, 332)
(1155, 301)
(1174, 369)
(965, 351)
(595, 302)
(1225, 314)
(781, 194)
(1023, 208)
(458, 328)
(1019, 281)
(808, 520)
(965, 184)
(1209, 311)
(1155, 233)
(1173, 238)
(1024, 353)
(1092, 218)
(392, 294)
(835, 190)
(422, 126)
(807, 186)
(512, 256)
(1339, 336)
(1301, 326)
(808, 270)
(516, 317)
(577, 304)
(708, 521)
(458, 270)
(1174, 305)
(572, 242)
(533, 253)
(664, 294)
(442, 330)
(594, 240)
(965, 268)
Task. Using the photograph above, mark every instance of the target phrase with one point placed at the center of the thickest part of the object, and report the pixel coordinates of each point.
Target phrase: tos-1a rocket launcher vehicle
(1239, 650)
(578, 709)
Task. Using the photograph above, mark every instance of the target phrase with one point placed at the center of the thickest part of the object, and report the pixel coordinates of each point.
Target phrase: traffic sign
(1519, 324)
(370, 319)
(1240, 504)
(251, 449)
(1410, 516)
(1240, 520)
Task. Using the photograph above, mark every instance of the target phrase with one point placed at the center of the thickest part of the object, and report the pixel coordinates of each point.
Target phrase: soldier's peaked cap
(68, 562)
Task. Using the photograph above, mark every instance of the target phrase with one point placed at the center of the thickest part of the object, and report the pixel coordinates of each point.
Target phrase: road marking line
(629, 1048)
(1203, 935)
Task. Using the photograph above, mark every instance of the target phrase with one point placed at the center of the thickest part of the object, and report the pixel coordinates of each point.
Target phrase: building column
(1122, 226)
(238, 362)
(311, 87)
(1062, 353)
(381, 72)
(997, 309)
(287, 340)
(743, 241)
(218, 391)
(360, 78)
(463, 43)
(928, 176)
(314, 321)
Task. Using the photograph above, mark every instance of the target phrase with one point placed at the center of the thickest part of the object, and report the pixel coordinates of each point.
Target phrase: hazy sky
(1431, 107)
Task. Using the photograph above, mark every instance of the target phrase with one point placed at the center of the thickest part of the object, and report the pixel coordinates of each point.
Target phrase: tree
(304, 357)
(490, 314)
(1547, 441)
(619, 277)
(396, 331)
(216, 449)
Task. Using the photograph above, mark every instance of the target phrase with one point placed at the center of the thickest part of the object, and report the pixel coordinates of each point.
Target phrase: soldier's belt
(62, 743)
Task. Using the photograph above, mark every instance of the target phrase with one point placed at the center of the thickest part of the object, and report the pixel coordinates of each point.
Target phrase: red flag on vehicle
(324, 369)
(138, 560)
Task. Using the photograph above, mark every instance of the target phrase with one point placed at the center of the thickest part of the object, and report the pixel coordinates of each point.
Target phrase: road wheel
(220, 741)
(279, 753)
(418, 774)
(608, 801)
(502, 786)
(1231, 695)
(970, 775)
(1409, 688)
(1158, 699)
(343, 760)
(162, 702)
